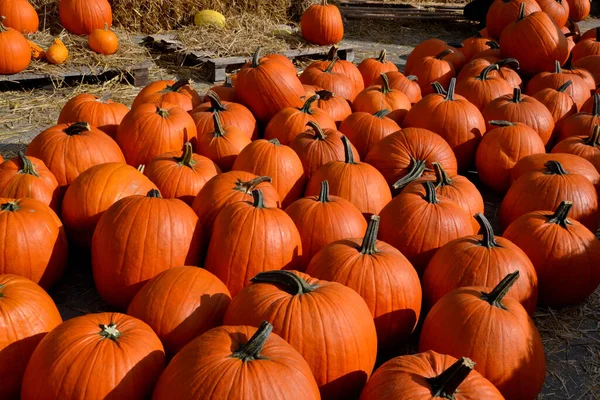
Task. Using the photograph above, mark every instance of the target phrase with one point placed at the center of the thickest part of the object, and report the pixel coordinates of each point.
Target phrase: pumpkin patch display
(432, 47)
(560, 103)
(481, 89)
(226, 91)
(573, 163)
(503, 12)
(587, 46)
(99, 112)
(14, 43)
(322, 24)
(558, 10)
(579, 9)
(579, 89)
(19, 15)
(342, 66)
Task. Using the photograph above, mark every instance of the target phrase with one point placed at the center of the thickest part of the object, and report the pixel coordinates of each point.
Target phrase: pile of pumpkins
(80, 17)
(276, 236)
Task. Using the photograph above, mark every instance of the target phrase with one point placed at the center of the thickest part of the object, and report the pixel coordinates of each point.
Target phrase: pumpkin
(578, 89)
(408, 220)
(148, 131)
(473, 45)
(28, 177)
(265, 239)
(587, 147)
(590, 64)
(14, 43)
(178, 312)
(456, 188)
(266, 75)
(452, 117)
(503, 12)
(573, 164)
(335, 106)
(110, 339)
(69, 149)
(506, 70)
(297, 304)
(340, 220)
(560, 103)
(372, 68)
(521, 108)
(408, 85)
(491, 54)
(103, 41)
(37, 52)
(558, 10)
(322, 24)
(290, 122)
(431, 69)
(383, 277)
(564, 252)
(57, 53)
(482, 323)
(327, 78)
(501, 148)
(570, 68)
(587, 47)
(535, 41)
(589, 34)
(364, 129)
(317, 146)
(166, 231)
(226, 91)
(93, 192)
(581, 123)
(588, 106)
(181, 175)
(431, 47)
(230, 114)
(550, 186)
(27, 315)
(342, 66)
(34, 229)
(283, 60)
(355, 181)
(81, 17)
(405, 155)
(376, 98)
(429, 376)
(239, 358)
(480, 260)
(579, 9)
(100, 112)
(179, 93)
(20, 15)
(480, 90)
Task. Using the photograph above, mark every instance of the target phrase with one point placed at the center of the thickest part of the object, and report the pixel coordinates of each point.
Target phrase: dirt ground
(571, 336)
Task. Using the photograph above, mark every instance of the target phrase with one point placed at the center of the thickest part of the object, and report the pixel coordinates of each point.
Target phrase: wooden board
(364, 9)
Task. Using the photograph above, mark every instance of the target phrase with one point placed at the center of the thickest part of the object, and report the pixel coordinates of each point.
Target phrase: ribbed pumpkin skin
(376, 98)
(499, 151)
(336, 107)
(571, 162)
(101, 113)
(137, 238)
(558, 10)
(588, 106)
(149, 131)
(20, 15)
(578, 89)
(473, 45)
(504, 344)
(502, 13)
(480, 89)
(406, 84)
(565, 257)
(180, 304)
(581, 123)
(431, 47)
(230, 113)
(222, 144)
(587, 47)
(247, 239)
(579, 9)
(322, 24)
(227, 188)
(365, 129)
(343, 67)
(316, 323)
(93, 192)
(205, 369)
(560, 104)
(81, 17)
(27, 315)
(160, 93)
(580, 146)
(33, 241)
(591, 64)
(67, 156)
(507, 71)
(406, 377)
(372, 68)
(15, 50)
(15, 183)
(434, 68)
(135, 360)
(281, 163)
(392, 155)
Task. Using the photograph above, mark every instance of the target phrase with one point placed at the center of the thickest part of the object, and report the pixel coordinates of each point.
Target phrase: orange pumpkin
(587, 147)
(372, 68)
(103, 41)
(365, 129)
(226, 91)
(408, 85)
(581, 123)
(481, 89)
(337, 107)
(99, 112)
(435, 68)
(560, 103)
(376, 98)
(20, 15)
(503, 12)
(342, 66)
(14, 43)
(587, 47)
(81, 17)
(332, 79)
(179, 93)
(579, 9)
(579, 89)
(57, 53)
(573, 163)
(558, 10)
(322, 24)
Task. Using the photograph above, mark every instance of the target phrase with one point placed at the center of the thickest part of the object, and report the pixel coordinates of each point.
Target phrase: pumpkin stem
(176, 86)
(249, 186)
(324, 3)
(186, 158)
(521, 12)
(497, 122)
(385, 86)
(555, 168)
(10, 206)
(382, 56)
(560, 216)
(219, 131)
(77, 128)
(319, 134)
(497, 294)
(154, 193)
(416, 171)
(110, 331)
(349, 155)
(444, 53)
(324, 193)
(596, 109)
(258, 199)
(332, 53)
(369, 243)
(331, 64)
(2, 287)
(251, 350)
(594, 139)
(163, 112)
(488, 240)
(255, 58)
(104, 99)
(557, 68)
(141, 168)
(483, 76)
(446, 384)
(508, 61)
(227, 82)
(492, 45)
(28, 167)
(413, 78)
(517, 92)
(291, 283)
(215, 101)
(564, 86)
(382, 113)
(2, 27)
(441, 176)
(275, 141)
(430, 193)
(306, 108)
(439, 89)
(325, 94)
(451, 88)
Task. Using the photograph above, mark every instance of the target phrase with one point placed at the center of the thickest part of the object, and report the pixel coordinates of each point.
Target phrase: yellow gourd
(209, 17)
(57, 53)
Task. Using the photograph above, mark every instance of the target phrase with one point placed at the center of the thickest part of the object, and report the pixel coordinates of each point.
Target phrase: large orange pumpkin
(342, 66)
(81, 17)
(222, 144)
(95, 342)
(587, 47)
(431, 47)
(590, 64)
(376, 98)
(99, 112)
(503, 12)
(558, 10)
(579, 89)
(372, 68)
(27, 314)
(365, 129)
(573, 164)
(581, 123)
(20, 15)
(507, 70)
(300, 308)
(408, 85)
(15, 49)
(331, 79)
(435, 68)
(579, 9)
(560, 103)
(322, 24)
(587, 147)
(178, 93)
(481, 89)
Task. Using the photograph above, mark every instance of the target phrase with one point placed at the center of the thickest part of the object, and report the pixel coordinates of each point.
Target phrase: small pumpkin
(480, 90)
(322, 24)
(587, 147)
(491, 54)
(336, 106)
(372, 68)
(581, 123)
(20, 15)
(376, 98)
(14, 43)
(103, 41)
(503, 12)
(57, 53)
(560, 103)
(408, 85)
(226, 91)
(179, 93)
(81, 17)
(331, 79)
(473, 45)
(431, 69)
(100, 112)
(365, 129)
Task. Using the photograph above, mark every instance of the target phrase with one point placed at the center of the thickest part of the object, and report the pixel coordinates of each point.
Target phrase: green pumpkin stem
(331, 64)
(439, 89)
(324, 193)
(2, 27)
(332, 53)
(1, 288)
(176, 86)
(288, 280)
(412, 78)
(258, 199)
(492, 44)
(382, 113)
(154, 193)
(557, 68)
(385, 86)
(251, 350)
(163, 112)
(306, 108)
(446, 384)
(521, 12)
(516, 93)
(443, 54)
(509, 61)
(348, 153)
(219, 130)
(555, 168)
(497, 122)
(256, 58)
(324, 3)
(141, 168)
(319, 134)
(483, 76)
(596, 108)
(227, 82)
(77, 128)
(488, 240)
(104, 99)
(382, 56)
(10, 206)
(416, 171)
(594, 139)
(369, 243)
(215, 102)
(187, 158)
(496, 296)
(248, 186)
(275, 141)
(430, 193)
(110, 331)
(441, 176)
(28, 167)
(325, 94)
(564, 86)
(451, 89)
(561, 214)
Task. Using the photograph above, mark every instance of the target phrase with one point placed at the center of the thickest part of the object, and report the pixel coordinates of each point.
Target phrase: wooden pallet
(364, 9)
(219, 66)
